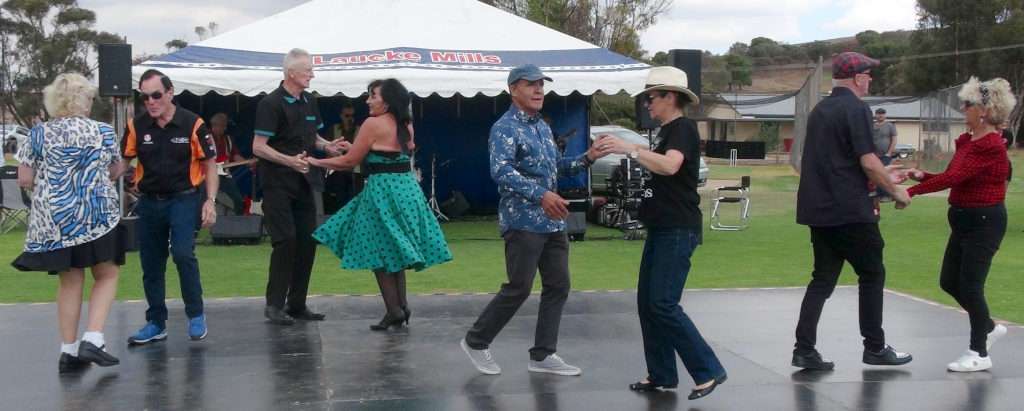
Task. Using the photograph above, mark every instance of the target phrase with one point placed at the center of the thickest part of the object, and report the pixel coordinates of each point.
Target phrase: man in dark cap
(833, 200)
(525, 165)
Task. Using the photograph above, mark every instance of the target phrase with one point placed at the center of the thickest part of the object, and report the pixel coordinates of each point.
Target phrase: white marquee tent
(445, 47)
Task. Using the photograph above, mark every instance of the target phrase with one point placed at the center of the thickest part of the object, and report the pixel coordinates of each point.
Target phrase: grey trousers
(525, 253)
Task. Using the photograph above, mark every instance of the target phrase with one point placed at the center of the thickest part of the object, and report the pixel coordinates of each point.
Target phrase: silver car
(602, 168)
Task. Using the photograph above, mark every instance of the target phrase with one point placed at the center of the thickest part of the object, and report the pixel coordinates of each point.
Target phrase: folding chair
(13, 201)
(732, 194)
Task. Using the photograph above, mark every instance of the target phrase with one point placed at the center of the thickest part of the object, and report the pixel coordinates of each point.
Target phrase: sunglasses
(649, 98)
(156, 95)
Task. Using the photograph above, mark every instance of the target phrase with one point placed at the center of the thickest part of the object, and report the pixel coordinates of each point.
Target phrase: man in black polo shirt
(175, 155)
(286, 127)
(839, 160)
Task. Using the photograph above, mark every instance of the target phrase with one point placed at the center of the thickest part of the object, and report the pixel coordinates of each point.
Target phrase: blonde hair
(70, 94)
(995, 96)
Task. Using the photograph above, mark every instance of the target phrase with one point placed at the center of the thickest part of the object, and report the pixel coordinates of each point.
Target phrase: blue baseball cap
(527, 72)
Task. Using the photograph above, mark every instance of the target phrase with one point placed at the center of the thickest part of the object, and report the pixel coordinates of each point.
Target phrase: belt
(377, 168)
(167, 196)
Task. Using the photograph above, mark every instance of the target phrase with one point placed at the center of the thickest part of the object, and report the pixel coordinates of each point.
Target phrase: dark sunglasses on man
(156, 95)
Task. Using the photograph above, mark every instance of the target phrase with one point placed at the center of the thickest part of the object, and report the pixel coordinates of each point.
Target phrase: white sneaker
(554, 364)
(481, 359)
(994, 335)
(970, 362)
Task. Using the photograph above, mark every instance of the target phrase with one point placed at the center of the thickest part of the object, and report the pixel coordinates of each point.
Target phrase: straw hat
(668, 78)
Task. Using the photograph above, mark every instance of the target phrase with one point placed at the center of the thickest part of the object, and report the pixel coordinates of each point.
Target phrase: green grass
(773, 252)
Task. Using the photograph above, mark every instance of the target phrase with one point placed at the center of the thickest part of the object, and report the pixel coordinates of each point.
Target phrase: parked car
(602, 168)
(903, 150)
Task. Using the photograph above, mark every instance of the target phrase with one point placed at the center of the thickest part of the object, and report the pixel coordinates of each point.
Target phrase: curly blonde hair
(995, 96)
(70, 94)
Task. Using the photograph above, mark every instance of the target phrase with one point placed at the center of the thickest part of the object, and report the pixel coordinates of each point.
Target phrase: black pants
(975, 237)
(860, 245)
(525, 253)
(290, 215)
(228, 187)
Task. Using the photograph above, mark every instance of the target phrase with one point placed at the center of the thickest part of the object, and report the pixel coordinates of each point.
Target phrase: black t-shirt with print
(672, 201)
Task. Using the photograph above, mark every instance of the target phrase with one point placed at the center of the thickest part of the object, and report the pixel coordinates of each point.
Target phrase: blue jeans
(666, 328)
(171, 221)
(886, 160)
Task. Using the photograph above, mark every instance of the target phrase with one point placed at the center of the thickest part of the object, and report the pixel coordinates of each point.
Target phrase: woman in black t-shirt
(670, 211)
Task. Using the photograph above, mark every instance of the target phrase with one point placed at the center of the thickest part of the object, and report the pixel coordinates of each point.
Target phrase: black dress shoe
(812, 361)
(648, 386)
(90, 353)
(306, 315)
(69, 363)
(277, 316)
(887, 356)
(704, 392)
(408, 314)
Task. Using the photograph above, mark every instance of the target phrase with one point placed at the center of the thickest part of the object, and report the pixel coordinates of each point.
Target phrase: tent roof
(446, 47)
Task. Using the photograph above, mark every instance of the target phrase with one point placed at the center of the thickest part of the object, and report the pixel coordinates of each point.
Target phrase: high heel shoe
(408, 314)
(388, 321)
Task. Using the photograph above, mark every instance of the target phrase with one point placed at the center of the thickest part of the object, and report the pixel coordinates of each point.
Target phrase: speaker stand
(432, 203)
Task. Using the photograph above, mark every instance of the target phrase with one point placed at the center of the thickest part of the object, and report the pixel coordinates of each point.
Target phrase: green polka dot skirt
(388, 226)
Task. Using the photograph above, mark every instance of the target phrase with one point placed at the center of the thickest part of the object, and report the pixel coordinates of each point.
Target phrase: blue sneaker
(197, 327)
(150, 333)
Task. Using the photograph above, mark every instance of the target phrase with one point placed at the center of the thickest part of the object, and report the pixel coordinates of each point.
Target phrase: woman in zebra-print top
(69, 163)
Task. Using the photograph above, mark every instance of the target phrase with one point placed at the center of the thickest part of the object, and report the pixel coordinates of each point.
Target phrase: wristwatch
(634, 155)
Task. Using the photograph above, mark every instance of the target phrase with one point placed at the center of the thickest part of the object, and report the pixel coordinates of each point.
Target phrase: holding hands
(897, 175)
(337, 147)
(300, 162)
(607, 144)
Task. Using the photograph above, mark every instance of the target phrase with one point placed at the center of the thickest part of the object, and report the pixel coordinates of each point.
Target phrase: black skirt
(108, 248)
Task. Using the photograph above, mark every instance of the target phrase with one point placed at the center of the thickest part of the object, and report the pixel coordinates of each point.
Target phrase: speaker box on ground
(455, 206)
(115, 61)
(576, 225)
(237, 229)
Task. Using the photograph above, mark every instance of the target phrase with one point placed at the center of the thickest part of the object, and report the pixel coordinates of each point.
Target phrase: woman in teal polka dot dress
(387, 228)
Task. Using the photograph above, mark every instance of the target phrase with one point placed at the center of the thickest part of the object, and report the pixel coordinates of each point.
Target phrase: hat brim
(531, 78)
(693, 97)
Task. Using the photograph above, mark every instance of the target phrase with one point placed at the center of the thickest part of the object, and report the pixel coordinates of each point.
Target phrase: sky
(711, 25)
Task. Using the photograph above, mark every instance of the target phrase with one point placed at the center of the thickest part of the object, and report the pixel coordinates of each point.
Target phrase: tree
(739, 49)
(41, 39)
(739, 69)
(951, 27)
(958, 34)
(205, 32)
(613, 24)
(660, 59)
(176, 44)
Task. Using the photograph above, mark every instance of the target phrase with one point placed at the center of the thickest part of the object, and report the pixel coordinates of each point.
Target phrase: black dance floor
(339, 364)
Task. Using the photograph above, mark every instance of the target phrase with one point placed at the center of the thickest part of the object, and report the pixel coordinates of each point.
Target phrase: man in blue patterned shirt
(525, 164)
